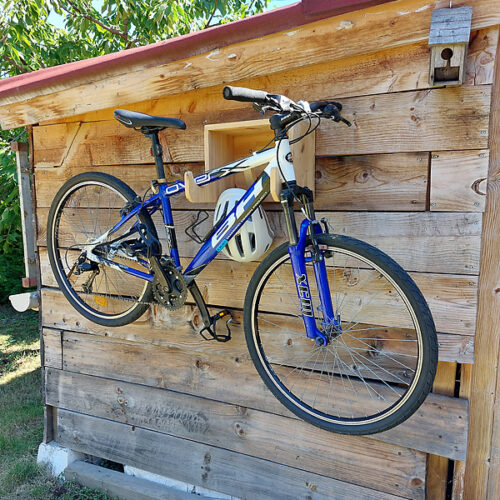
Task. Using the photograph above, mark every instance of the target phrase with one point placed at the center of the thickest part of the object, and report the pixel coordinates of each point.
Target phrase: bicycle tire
(77, 192)
(273, 365)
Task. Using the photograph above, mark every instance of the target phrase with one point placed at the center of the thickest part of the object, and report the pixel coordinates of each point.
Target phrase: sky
(58, 20)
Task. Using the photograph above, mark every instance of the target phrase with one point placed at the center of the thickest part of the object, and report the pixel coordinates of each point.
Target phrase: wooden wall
(408, 177)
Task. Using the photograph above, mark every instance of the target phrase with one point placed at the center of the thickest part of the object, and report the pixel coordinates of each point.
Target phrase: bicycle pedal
(211, 331)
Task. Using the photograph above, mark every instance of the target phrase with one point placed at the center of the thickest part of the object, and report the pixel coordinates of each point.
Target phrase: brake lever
(263, 108)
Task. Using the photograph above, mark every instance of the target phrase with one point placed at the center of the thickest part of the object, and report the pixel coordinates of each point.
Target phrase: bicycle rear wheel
(381, 356)
(85, 208)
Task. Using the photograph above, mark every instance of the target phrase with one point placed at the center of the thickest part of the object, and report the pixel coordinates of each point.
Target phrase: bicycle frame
(230, 225)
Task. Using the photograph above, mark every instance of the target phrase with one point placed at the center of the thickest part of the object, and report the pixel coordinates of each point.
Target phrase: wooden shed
(409, 177)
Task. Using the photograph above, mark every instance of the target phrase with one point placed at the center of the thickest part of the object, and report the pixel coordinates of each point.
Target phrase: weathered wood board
(459, 180)
(180, 329)
(451, 298)
(221, 470)
(416, 121)
(427, 242)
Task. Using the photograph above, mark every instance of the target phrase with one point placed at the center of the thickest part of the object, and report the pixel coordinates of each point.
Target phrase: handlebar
(264, 101)
(244, 95)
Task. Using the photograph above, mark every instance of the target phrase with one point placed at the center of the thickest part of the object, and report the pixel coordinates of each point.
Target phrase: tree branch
(207, 25)
(16, 65)
(111, 29)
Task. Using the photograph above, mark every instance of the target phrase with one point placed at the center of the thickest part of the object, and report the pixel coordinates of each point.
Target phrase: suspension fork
(296, 251)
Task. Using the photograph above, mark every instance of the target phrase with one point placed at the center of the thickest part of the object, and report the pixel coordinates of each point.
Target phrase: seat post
(157, 152)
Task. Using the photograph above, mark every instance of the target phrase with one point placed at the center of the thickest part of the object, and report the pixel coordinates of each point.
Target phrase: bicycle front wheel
(84, 209)
(381, 356)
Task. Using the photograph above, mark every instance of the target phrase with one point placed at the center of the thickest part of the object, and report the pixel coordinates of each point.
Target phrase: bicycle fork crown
(330, 322)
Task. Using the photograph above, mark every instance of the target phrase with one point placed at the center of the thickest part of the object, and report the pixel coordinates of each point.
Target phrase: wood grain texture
(255, 433)
(120, 485)
(318, 42)
(372, 182)
(484, 386)
(52, 348)
(427, 430)
(458, 181)
(452, 299)
(378, 72)
(423, 242)
(437, 467)
(438, 119)
(360, 182)
(211, 467)
(180, 329)
(460, 465)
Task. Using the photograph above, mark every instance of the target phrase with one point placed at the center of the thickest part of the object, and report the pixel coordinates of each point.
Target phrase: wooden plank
(372, 182)
(320, 41)
(52, 346)
(389, 123)
(458, 180)
(494, 473)
(385, 182)
(423, 242)
(279, 439)
(52, 145)
(203, 374)
(437, 467)
(460, 465)
(451, 298)
(180, 329)
(212, 467)
(484, 387)
(410, 121)
(120, 485)
(27, 207)
(379, 72)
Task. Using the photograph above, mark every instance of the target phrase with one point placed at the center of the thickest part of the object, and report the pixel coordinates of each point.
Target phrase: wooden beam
(52, 348)
(27, 211)
(320, 41)
(427, 431)
(120, 485)
(437, 467)
(484, 385)
(460, 465)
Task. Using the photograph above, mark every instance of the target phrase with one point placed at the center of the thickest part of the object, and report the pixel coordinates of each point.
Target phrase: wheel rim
(84, 213)
(364, 374)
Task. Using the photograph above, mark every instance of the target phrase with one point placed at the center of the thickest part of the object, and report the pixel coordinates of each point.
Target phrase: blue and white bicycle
(338, 331)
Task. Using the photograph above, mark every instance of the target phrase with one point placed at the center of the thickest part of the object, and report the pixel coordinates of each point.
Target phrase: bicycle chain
(126, 299)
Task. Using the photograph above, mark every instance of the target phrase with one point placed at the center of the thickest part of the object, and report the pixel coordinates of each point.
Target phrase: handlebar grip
(244, 95)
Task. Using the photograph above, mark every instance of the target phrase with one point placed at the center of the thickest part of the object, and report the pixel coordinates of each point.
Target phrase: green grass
(21, 416)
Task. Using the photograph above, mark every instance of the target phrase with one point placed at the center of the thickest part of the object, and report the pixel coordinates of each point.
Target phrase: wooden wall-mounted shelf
(226, 142)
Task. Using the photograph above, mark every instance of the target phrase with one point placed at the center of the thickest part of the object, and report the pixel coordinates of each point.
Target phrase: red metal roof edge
(184, 46)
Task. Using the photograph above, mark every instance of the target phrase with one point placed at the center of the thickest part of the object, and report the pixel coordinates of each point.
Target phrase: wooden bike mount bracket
(226, 142)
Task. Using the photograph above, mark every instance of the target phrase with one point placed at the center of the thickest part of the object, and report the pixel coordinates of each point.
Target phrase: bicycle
(337, 330)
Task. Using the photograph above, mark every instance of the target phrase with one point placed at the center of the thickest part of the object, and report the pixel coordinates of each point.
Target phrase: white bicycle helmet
(255, 236)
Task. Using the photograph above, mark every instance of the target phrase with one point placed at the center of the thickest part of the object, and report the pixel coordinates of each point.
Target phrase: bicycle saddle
(133, 119)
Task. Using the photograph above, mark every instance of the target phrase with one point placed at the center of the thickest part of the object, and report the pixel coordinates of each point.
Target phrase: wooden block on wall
(458, 180)
(52, 348)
